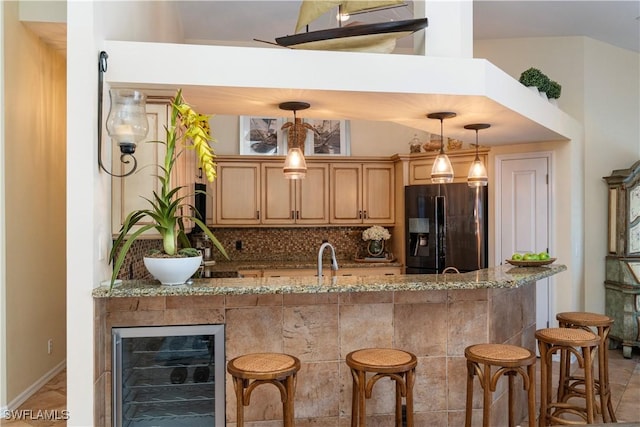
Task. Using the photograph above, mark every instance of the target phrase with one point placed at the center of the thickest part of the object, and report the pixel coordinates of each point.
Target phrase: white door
(522, 215)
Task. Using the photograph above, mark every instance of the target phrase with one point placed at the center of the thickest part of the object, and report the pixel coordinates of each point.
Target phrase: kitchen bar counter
(433, 316)
(505, 276)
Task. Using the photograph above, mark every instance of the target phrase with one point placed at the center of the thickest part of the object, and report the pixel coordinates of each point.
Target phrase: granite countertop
(504, 276)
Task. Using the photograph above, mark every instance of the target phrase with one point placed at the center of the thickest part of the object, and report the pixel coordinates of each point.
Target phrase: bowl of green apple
(530, 259)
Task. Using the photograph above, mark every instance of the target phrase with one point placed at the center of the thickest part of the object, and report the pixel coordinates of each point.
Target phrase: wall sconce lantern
(442, 171)
(127, 120)
(477, 172)
(295, 166)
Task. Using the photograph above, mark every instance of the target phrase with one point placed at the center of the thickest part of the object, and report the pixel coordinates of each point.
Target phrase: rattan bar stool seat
(510, 360)
(583, 345)
(398, 365)
(252, 370)
(572, 385)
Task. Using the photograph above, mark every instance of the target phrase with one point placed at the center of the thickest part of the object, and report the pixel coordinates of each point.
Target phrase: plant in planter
(554, 90)
(535, 77)
(165, 208)
(376, 236)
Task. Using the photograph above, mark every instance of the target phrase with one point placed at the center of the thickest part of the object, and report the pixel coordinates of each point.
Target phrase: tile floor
(624, 378)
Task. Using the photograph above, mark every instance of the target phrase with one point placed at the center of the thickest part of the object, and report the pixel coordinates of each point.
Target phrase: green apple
(516, 257)
(530, 257)
(543, 256)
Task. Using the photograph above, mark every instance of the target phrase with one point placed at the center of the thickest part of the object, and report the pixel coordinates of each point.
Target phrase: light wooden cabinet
(290, 272)
(420, 165)
(238, 193)
(250, 273)
(362, 193)
(311, 272)
(369, 271)
(286, 201)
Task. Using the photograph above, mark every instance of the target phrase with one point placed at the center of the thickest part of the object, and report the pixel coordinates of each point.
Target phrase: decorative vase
(172, 271)
(376, 248)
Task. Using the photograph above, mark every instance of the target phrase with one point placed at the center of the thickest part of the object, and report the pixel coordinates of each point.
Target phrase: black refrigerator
(446, 226)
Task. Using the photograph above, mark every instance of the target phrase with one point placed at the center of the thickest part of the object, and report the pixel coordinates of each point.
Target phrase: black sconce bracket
(102, 68)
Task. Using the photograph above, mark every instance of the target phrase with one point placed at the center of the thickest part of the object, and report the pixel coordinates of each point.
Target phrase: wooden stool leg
(355, 390)
(409, 399)
(287, 404)
(469, 405)
(238, 385)
(544, 384)
(486, 396)
(398, 403)
(608, 414)
(588, 382)
(531, 395)
(512, 422)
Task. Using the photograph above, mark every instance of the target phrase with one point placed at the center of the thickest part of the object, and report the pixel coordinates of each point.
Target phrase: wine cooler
(168, 376)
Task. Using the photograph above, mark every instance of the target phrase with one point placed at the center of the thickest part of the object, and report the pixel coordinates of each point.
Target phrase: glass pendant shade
(442, 171)
(295, 167)
(127, 121)
(477, 171)
(477, 174)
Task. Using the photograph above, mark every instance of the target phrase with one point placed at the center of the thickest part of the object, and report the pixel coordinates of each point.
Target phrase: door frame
(498, 160)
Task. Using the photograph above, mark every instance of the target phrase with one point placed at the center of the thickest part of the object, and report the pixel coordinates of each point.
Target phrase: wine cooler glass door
(168, 376)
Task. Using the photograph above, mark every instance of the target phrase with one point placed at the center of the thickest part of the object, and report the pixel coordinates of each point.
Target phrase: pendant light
(477, 172)
(442, 171)
(295, 167)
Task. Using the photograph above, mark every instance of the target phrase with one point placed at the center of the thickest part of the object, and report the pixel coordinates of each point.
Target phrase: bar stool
(398, 365)
(550, 341)
(568, 384)
(251, 370)
(511, 360)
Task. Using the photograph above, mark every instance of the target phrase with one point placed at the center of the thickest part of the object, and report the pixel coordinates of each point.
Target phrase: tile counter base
(321, 328)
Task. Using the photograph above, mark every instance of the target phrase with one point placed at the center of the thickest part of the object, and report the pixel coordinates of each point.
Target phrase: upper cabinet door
(362, 193)
(278, 196)
(346, 194)
(312, 196)
(378, 200)
(238, 193)
(286, 201)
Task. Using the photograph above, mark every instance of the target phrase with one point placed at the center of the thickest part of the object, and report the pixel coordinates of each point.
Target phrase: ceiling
(240, 22)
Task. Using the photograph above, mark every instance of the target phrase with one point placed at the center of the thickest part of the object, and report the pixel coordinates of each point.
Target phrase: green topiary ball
(535, 77)
(554, 90)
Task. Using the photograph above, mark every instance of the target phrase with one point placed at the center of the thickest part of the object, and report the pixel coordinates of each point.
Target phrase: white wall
(34, 210)
(368, 138)
(600, 88)
(88, 190)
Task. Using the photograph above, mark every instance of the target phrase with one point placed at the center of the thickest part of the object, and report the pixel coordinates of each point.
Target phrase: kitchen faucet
(334, 263)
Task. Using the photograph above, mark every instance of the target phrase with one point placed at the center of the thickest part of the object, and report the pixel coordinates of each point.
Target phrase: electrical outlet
(238, 245)
(49, 345)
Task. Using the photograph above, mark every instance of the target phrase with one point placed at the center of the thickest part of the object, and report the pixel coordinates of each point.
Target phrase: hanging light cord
(441, 138)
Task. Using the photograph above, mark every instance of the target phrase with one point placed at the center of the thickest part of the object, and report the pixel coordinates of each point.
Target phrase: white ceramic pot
(172, 271)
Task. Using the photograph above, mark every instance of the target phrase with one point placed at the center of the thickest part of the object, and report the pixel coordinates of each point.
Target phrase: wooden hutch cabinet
(622, 280)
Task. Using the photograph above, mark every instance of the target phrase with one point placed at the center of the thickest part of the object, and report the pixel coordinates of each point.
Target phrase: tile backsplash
(263, 244)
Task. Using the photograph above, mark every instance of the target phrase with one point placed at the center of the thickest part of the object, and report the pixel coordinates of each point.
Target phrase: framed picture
(330, 137)
(261, 136)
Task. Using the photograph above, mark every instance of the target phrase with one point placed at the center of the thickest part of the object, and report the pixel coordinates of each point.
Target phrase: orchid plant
(191, 129)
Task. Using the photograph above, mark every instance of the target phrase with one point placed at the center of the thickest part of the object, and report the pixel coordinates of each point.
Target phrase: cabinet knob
(257, 214)
(365, 215)
(360, 214)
